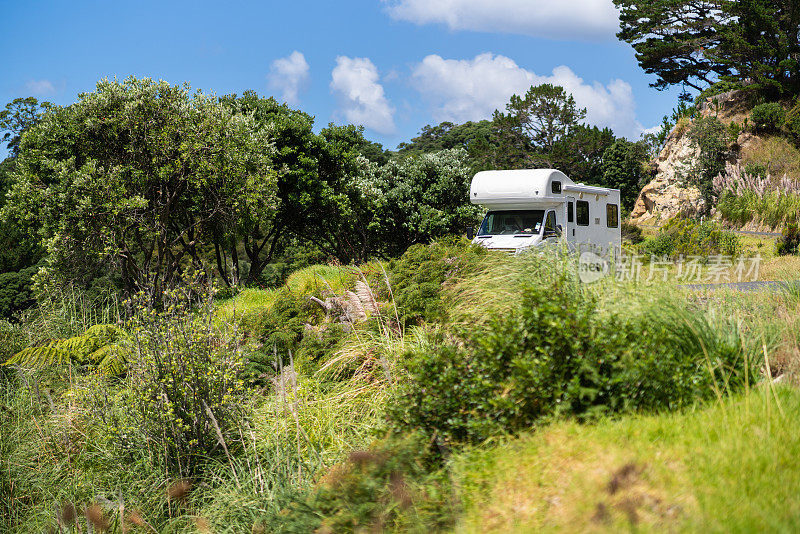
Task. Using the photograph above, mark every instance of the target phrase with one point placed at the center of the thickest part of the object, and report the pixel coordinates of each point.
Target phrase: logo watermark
(715, 269)
(592, 267)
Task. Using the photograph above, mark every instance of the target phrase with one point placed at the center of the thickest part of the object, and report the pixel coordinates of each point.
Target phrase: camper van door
(569, 226)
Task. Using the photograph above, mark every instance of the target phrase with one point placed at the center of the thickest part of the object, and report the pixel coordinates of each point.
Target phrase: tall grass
(65, 445)
(744, 198)
(67, 311)
(302, 422)
(721, 469)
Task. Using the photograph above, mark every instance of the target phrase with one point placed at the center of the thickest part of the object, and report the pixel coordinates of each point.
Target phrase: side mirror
(470, 232)
(559, 230)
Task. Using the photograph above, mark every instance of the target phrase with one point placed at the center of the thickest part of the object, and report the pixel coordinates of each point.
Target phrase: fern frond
(79, 347)
(110, 359)
(37, 357)
(97, 346)
(106, 333)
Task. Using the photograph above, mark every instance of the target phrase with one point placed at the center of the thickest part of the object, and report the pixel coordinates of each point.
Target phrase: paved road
(743, 286)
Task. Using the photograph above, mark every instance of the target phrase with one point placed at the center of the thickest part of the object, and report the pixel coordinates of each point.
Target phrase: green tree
(701, 42)
(20, 249)
(19, 115)
(763, 45)
(426, 197)
(19, 246)
(533, 125)
(675, 39)
(447, 135)
(580, 154)
(623, 169)
(374, 152)
(127, 179)
(261, 233)
(324, 198)
(336, 215)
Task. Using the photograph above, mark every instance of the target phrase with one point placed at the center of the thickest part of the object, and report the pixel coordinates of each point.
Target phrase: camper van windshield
(522, 222)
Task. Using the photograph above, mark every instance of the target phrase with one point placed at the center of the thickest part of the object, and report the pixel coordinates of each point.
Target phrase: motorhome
(536, 207)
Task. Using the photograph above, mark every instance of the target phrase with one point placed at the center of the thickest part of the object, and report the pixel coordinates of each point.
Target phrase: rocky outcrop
(668, 195)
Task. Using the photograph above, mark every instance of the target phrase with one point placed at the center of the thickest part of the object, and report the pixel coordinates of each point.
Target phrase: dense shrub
(319, 343)
(559, 354)
(417, 278)
(183, 391)
(689, 237)
(792, 124)
(631, 233)
(756, 169)
(789, 240)
(768, 117)
(280, 325)
(15, 292)
(712, 138)
(660, 245)
(395, 486)
(12, 340)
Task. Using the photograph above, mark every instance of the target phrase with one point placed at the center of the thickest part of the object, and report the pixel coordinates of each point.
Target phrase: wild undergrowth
(682, 236)
(341, 400)
(769, 200)
(561, 348)
(720, 469)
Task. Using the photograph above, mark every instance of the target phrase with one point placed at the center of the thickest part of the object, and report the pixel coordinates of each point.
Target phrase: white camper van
(532, 207)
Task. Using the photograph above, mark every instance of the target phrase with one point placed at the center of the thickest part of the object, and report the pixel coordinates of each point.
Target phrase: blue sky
(391, 65)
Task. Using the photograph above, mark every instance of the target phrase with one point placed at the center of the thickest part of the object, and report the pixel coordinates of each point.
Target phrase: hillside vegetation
(375, 404)
(720, 469)
(216, 316)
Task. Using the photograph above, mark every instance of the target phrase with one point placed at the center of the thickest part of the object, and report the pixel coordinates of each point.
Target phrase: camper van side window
(570, 212)
(556, 187)
(582, 212)
(612, 215)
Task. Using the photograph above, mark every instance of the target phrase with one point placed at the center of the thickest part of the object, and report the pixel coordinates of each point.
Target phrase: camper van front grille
(510, 251)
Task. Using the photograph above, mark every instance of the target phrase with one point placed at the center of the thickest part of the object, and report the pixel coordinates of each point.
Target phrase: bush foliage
(15, 292)
(183, 388)
(688, 237)
(711, 137)
(560, 354)
(768, 117)
(420, 274)
(789, 241)
(395, 486)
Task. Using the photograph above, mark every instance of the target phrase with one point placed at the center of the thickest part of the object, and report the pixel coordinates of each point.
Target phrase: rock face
(667, 195)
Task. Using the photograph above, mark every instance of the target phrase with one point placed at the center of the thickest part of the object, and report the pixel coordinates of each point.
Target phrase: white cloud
(289, 75)
(40, 87)
(355, 81)
(652, 130)
(566, 20)
(471, 89)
